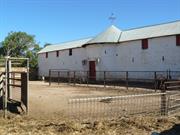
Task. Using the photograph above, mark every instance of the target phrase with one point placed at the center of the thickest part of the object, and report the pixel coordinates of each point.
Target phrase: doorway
(92, 70)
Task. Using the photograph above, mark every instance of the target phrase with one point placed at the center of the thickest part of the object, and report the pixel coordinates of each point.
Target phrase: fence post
(104, 79)
(155, 81)
(127, 80)
(68, 73)
(170, 75)
(49, 77)
(58, 77)
(27, 77)
(87, 78)
(24, 90)
(74, 77)
(163, 101)
(6, 89)
(9, 81)
(167, 75)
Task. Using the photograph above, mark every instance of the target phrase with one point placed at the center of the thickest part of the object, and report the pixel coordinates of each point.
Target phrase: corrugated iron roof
(66, 45)
(110, 35)
(115, 35)
(172, 28)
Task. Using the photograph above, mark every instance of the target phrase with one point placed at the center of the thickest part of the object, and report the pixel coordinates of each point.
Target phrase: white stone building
(151, 48)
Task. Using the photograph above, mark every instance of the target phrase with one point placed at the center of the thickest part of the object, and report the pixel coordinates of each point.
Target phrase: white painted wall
(118, 57)
(151, 58)
(107, 61)
(64, 61)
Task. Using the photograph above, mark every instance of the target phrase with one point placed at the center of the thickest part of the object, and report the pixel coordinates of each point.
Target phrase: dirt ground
(51, 101)
(48, 105)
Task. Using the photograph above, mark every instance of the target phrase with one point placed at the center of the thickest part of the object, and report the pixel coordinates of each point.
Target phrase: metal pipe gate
(12, 67)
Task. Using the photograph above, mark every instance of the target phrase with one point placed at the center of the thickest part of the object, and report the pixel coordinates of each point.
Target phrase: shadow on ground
(12, 106)
(175, 130)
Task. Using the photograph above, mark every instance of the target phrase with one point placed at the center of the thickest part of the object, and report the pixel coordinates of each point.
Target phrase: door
(92, 70)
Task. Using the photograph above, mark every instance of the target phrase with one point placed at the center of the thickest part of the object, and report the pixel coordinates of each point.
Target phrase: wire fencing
(174, 103)
(145, 79)
(115, 106)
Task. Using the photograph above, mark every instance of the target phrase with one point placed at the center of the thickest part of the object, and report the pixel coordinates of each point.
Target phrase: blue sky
(54, 21)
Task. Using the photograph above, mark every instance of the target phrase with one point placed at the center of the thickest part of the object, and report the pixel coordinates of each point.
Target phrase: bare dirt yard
(47, 110)
(51, 101)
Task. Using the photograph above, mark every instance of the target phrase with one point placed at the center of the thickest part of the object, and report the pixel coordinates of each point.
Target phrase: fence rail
(14, 91)
(115, 106)
(149, 79)
(174, 103)
(163, 103)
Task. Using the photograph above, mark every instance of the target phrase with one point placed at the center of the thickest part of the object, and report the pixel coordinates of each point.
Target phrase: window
(70, 52)
(57, 53)
(163, 58)
(177, 40)
(133, 60)
(46, 54)
(145, 44)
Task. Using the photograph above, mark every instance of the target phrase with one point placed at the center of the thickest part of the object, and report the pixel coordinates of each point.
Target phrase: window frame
(46, 55)
(144, 44)
(178, 40)
(57, 53)
(70, 52)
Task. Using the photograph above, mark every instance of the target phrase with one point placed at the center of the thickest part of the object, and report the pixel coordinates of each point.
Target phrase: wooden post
(49, 77)
(8, 80)
(104, 79)
(155, 81)
(27, 77)
(6, 89)
(24, 90)
(9, 75)
(127, 80)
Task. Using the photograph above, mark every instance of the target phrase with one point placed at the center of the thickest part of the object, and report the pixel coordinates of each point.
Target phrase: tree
(21, 44)
(17, 44)
(1, 50)
(33, 57)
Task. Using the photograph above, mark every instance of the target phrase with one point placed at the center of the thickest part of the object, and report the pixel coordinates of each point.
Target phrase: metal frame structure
(9, 62)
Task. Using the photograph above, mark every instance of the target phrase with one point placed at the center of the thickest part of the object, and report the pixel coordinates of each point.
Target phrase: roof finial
(112, 18)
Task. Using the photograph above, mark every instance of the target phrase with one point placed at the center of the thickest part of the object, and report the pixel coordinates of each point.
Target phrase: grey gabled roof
(110, 35)
(66, 45)
(115, 35)
(167, 29)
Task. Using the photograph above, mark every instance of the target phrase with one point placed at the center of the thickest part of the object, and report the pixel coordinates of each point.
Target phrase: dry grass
(138, 125)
